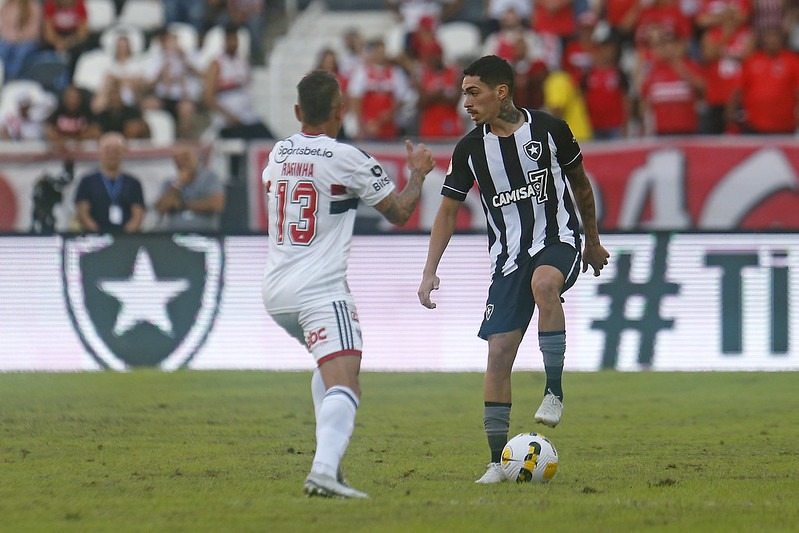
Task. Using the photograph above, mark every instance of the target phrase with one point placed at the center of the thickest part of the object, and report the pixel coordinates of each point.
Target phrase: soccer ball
(529, 457)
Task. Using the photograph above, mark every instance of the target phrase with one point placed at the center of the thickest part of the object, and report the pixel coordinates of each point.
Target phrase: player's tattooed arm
(398, 207)
(594, 254)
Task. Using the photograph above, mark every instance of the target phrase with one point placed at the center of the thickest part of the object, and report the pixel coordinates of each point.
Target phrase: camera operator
(109, 201)
(49, 191)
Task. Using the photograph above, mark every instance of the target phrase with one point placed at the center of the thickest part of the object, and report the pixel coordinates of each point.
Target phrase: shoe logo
(489, 311)
(142, 301)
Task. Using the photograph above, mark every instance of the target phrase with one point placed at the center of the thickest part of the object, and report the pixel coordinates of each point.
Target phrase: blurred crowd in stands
(610, 68)
(170, 69)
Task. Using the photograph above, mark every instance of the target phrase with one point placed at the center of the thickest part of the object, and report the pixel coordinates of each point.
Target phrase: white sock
(335, 422)
(318, 390)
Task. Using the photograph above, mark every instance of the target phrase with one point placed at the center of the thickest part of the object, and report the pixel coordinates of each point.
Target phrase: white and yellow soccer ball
(529, 458)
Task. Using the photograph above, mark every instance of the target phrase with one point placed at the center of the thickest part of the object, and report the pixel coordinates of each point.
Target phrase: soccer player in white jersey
(313, 185)
(529, 170)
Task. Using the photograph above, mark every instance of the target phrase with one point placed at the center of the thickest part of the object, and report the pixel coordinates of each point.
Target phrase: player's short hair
(316, 94)
(493, 71)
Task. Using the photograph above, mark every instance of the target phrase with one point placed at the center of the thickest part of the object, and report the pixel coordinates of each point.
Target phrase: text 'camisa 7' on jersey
(313, 184)
(523, 186)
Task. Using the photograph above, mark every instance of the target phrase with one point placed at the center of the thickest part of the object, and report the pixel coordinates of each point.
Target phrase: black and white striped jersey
(523, 186)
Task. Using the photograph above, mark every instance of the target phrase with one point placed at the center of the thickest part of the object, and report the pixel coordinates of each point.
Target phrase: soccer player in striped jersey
(529, 170)
(313, 185)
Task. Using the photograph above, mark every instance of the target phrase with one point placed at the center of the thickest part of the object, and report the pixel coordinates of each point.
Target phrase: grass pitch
(228, 451)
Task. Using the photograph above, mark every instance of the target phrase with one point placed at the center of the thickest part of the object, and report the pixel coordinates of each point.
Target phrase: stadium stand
(108, 38)
(162, 126)
(91, 69)
(296, 52)
(459, 40)
(214, 44)
(147, 15)
(102, 14)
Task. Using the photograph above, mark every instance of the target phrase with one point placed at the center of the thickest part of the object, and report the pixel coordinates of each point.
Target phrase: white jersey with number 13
(313, 184)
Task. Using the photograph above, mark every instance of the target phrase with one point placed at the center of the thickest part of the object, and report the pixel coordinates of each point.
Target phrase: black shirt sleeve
(460, 178)
(569, 154)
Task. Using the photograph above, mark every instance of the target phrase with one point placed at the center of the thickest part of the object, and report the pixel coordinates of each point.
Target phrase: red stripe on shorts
(333, 355)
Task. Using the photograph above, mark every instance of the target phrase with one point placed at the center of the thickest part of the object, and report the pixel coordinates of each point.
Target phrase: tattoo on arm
(400, 209)
(584, 196)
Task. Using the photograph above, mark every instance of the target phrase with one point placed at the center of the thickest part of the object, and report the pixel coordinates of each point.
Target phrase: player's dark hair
(316, 94)
(493, 71)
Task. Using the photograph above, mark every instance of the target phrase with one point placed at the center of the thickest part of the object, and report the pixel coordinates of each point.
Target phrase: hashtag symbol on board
(620, 290)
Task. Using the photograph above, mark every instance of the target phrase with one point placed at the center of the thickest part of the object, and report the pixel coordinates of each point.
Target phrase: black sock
(553, 347)
(496, 419)
(554, 375)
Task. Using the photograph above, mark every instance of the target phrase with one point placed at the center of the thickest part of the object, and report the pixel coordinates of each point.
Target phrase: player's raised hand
(596, 256)
(419, 158)
(428, 285)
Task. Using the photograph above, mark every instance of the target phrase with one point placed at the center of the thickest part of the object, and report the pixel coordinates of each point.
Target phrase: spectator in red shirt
(716, 13)
(622, 16)
(66, 29)
(515, 42)
(577, 54)
(671, 89)
(606, 88)
(724, 47)
(554, 17)
(664, 13)
(422, 43)
(438, 87)
(376, 91)
(769, 88)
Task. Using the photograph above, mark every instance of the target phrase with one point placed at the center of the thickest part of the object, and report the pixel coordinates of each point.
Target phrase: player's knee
(546, 291)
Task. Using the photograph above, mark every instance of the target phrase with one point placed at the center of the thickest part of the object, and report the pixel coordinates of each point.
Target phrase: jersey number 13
(305, 195)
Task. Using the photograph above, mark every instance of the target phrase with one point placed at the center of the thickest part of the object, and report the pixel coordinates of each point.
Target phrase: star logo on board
(143, 300)
(533, 149)
(143, 297)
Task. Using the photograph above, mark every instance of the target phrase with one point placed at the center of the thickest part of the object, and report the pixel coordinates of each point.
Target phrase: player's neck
(329, 129)
(507, 121)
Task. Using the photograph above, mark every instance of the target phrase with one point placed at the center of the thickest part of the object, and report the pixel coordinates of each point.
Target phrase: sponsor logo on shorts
(315, 336)
(489, 311)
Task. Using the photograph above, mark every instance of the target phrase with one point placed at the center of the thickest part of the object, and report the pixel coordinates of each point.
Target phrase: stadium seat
(48, 69)
(91, 68)
(395, 41)
(102, 14)
(162, 126)
(147, 15)
(214, 44)
(108, 39)
(459, 41)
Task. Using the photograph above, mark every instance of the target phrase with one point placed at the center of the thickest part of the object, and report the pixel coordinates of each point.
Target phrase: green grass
(228, 451)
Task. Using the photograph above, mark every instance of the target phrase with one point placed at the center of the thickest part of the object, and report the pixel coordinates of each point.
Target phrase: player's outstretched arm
(398, 207)
(443, 228)
(594, 253)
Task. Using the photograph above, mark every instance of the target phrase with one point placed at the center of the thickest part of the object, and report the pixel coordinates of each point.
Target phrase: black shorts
(510, 301)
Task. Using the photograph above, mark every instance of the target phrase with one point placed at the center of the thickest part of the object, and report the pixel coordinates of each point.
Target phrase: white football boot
(494, 474)
(550, 411)
(328, 487)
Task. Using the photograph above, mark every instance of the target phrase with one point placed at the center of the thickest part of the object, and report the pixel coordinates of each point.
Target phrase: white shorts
(328, 331)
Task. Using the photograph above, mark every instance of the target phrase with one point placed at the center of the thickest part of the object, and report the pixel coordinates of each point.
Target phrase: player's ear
(339, 111)
(298, 112)
(502, 91)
